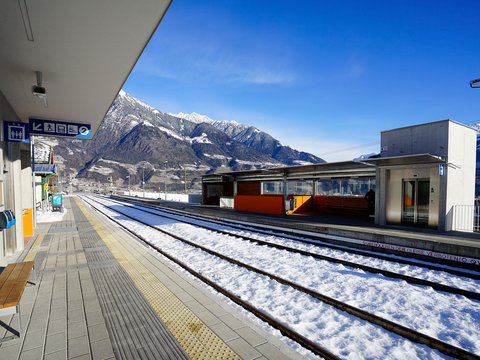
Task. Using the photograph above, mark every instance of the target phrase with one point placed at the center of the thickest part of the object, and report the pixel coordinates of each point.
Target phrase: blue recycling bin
(7, 219)
(57, 202)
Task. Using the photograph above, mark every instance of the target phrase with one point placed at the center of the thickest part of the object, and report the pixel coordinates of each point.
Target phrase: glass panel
(272, 187)
(300, 187)
(328, 187)
(345, 187)
(423, 201)
(416, 199)
(408, 214)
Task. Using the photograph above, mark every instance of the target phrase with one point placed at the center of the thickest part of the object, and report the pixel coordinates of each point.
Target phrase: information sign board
(60, 128)
(15, 131)
(441, 169)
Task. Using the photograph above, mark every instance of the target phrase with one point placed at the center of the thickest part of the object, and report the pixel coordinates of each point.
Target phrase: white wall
(428, 138)
(12, 195)
(460, 171)
(452, 141)
(27, 185)
(227, 202)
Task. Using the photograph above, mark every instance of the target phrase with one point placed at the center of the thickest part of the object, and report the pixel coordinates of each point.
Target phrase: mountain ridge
(138, 142)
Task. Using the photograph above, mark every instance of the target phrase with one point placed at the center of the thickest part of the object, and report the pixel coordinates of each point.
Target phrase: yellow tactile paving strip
(33, 250)
(194, 336)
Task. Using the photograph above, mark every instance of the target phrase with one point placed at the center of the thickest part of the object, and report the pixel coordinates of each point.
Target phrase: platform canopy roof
(85, 50)
(312, 171)
(406, 160)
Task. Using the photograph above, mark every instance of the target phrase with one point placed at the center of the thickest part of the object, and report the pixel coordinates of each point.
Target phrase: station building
(424, 176)
(80, 53)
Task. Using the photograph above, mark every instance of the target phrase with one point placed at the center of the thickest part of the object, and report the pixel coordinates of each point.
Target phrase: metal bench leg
(19, 321)
(34, 282)
(15, 334)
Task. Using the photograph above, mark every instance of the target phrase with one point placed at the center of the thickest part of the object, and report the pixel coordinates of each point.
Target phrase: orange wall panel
(356, 205)
(263, 204)
(28, 222)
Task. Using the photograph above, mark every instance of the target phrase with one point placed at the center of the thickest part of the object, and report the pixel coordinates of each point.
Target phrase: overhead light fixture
(475, 83)
(26, 19)
(38, 90)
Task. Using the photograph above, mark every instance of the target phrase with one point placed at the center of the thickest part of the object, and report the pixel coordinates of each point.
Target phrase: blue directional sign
(60, 128)
(441, 169)
(15, 131)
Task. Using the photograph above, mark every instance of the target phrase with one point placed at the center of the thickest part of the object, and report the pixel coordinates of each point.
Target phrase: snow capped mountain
(475, 125)
(194, 117)
(230, 127)
(135, 136)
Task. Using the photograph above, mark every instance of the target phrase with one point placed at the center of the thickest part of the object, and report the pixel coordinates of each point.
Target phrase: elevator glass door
(416, 199)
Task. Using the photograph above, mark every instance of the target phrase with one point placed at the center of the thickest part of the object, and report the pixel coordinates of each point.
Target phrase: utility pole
(128, 177)
(165, 179)
(143, 181)
(185, 178)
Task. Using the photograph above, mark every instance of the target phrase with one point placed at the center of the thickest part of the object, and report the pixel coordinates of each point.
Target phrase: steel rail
(389, 325)
(289, 234)
(409, 279)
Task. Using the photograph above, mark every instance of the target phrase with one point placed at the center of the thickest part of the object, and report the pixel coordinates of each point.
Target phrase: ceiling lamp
(38, 90)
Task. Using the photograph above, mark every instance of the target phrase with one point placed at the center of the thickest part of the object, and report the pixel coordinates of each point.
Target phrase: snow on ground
(202, 139)
(450, 318)
(50, 216)
(171, 133)
(101, 170)
(416, 271)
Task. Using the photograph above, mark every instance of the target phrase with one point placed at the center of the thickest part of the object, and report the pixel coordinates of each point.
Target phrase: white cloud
(330, 145)
(219, 69)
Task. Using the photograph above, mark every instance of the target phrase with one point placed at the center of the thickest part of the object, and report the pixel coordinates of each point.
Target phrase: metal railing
(466, 218)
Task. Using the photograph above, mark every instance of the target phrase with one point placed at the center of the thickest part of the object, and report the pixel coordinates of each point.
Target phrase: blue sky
(321, 76)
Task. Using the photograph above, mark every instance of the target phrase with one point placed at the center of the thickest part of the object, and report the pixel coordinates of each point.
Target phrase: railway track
(308, 238)
(389, 325)
(409, 279)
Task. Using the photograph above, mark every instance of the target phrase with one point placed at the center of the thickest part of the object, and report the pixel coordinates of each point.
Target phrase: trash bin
(57, 202)
(7, 219)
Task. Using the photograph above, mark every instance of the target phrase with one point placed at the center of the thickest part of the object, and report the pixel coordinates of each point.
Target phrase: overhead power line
(349, 148)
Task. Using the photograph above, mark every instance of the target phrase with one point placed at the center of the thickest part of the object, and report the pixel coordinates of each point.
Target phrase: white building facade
(426, 176)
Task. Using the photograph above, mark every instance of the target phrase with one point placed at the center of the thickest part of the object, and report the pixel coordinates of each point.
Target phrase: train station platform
(100, 294)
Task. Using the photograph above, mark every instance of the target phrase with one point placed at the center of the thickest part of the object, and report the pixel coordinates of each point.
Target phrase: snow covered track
(373, 336)
(410, 279)
(308, 237)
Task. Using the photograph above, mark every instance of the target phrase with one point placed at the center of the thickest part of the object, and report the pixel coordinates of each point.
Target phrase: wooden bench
(13, 280)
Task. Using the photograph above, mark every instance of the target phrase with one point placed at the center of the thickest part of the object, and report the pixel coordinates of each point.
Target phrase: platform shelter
(424, 176)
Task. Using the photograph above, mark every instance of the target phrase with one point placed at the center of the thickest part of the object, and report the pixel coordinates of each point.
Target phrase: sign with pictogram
(15, 131)
(441, 169)
(60, 128)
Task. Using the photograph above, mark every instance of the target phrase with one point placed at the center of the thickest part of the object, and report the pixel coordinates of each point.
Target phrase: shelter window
(214, 190)
(300, 187)
(272, 187)
(345, 186)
